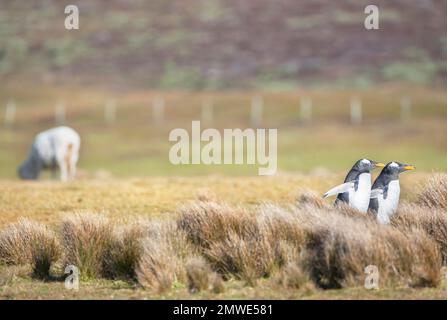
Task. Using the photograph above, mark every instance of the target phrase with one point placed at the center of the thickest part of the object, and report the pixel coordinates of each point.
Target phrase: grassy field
(134, 146)
(140, 227)
(20, 286)
(159, 198)
(125, 175)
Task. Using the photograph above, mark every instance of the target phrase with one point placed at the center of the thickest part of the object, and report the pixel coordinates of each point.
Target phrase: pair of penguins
(382, 198)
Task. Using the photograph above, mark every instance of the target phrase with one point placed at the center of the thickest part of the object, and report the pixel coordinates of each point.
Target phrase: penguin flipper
(339, 189)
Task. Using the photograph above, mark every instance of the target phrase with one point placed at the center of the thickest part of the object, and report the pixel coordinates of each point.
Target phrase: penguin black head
(394, 168)
(366, 165)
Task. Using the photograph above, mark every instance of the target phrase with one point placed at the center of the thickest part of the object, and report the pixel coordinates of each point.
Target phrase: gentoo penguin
(356, 190)
(386, 191)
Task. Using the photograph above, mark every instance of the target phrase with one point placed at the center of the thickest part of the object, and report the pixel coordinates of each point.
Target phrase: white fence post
(257, 105)
(158, 110)
(59, 113)
(110, 111)
(305, 109)
(405, 108)
(356, 111)
(207, 110)
(10, 113)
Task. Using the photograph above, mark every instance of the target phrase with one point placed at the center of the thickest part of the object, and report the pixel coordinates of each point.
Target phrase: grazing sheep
(52, 149)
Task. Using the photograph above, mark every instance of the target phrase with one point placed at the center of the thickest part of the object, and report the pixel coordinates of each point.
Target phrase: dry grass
(29, 242)
(9, 274)
(45, 251)
(292, 276)
(200, 277)
(209, 246)
(239, 243)
(434, 193)
(310, 198)
(247, 258)
(334, 245)
(15, 242)
(124, 251)
(208, 222)
(339, 248)
(162, 263)
(155, 197)
(86, 238)
(299, 246)
(433, 221)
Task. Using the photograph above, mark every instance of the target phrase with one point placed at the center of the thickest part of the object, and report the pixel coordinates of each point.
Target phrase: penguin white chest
(388, 206)
(359, 198)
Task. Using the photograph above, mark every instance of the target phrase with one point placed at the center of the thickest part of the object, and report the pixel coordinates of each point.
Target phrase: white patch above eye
(366, 161)
(393, 164)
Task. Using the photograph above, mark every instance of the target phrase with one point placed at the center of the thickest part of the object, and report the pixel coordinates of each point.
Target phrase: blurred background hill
(213, 44)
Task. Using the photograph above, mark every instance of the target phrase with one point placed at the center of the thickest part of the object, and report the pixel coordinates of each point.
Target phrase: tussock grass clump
(347, 211)
(124, 250)
(162, 261)
(238, 243)
(278, 224)
(247, 258)
(433, 221)
(29, 242)
(15, 242)
(434, 194)
(339, 248)
(298, 247)
(207, 222)
(310, 199)
(45, 251)
(283, 231)
(86, 238)
(200, 276)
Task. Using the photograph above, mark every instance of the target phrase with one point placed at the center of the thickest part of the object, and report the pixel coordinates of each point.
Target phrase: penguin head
(366, 165)
(394, 168)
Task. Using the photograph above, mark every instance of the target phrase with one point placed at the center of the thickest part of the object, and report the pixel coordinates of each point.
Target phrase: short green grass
(134, 146)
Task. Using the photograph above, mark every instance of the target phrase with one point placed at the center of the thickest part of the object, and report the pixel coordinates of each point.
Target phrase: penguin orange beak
(379, 165)
(409, 168)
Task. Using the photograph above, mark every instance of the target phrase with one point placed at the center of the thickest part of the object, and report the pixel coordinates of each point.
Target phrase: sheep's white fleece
(52, 149)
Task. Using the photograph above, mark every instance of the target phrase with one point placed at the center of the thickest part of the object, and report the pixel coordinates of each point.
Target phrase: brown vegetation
(200, 276)
(303, 246)
(29, 242)
(86, 238)
(163, 259)
(434, 193)
(124, 250)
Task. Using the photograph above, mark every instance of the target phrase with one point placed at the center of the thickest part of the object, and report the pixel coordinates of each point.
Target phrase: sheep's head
(28, 171)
